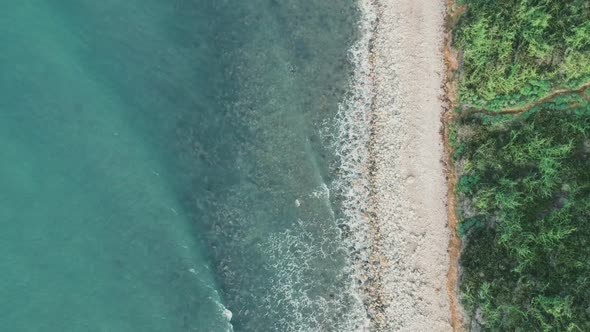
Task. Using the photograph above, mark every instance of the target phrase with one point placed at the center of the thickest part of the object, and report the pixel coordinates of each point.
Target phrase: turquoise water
(167, 166)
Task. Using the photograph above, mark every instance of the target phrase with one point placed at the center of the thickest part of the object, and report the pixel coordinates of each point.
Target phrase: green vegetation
(525, 193)
(524, 179)
(517, 51)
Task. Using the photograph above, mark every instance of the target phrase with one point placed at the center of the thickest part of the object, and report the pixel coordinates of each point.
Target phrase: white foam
(352, 146)
(353, 133)
(295, 253)
(227, 314)
(353, 137)
(295, 256)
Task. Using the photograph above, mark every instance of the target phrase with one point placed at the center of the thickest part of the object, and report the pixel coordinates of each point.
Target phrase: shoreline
(408, 222)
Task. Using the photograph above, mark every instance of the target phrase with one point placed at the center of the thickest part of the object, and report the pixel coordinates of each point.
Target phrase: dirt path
(580, 91)
(409, 190)
(450, 88)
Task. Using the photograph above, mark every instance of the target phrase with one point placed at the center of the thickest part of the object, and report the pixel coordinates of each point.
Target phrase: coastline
(409, 232)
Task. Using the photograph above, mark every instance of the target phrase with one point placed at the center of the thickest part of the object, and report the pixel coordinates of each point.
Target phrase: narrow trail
(450, 93)
(515, 111)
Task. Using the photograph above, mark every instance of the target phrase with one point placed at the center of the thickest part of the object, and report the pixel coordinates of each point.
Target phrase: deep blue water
(165, 163)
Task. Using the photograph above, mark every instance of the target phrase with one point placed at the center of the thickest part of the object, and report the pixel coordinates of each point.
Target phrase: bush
(517, 51)
(526, 259)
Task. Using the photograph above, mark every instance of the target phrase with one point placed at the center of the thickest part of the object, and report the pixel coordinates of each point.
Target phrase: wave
(350, 137)
(353, 131)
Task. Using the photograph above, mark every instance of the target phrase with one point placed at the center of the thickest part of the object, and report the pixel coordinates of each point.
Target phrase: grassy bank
(524, 178)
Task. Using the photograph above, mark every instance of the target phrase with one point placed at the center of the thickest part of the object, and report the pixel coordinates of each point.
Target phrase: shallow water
(167, 162)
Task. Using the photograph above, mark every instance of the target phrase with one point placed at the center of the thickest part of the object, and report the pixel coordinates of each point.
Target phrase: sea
(182, 165)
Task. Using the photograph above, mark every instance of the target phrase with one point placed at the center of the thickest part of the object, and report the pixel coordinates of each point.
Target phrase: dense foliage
(526, 218)
(516, 51)
(524, 178)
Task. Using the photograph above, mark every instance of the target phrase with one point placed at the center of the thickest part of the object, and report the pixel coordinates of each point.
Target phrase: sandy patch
(409, 259)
